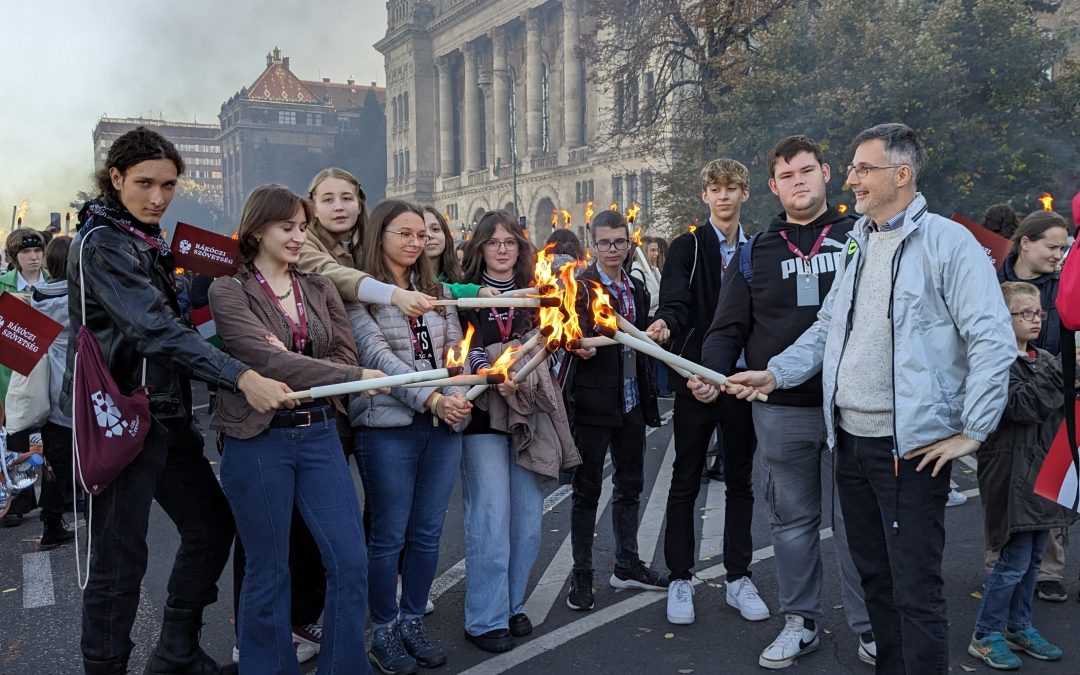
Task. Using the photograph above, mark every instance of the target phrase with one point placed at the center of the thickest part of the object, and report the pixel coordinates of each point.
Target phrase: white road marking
(37, 580)
(712, 527)
(652, 520)
(200, 407)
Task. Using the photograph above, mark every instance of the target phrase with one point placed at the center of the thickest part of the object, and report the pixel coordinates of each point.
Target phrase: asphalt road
(626, 633)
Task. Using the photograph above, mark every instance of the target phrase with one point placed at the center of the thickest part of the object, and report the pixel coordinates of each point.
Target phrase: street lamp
(510, 77)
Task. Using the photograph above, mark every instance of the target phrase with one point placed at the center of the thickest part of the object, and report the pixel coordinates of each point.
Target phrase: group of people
(886, 345)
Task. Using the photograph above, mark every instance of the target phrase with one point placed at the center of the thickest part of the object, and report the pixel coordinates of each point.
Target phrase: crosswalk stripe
(712, 527)
(652, 520)
(37, 580)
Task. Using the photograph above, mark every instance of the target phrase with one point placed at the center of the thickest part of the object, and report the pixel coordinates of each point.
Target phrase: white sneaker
(428, 608)
(868, 651)
(794, 641)
(304, 652)
(956, 498)
(680, 602)
(742, 594)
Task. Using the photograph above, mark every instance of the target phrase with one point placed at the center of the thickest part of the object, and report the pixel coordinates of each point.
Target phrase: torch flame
(24, 206)
(502, 364)
(554, 218)
(602, 313)
(571, 326)
(588, 214)
(632, 212)
(636, 236)
(842, 208)
(692, 228)
(614, 207)
(543, 273)
(565, 219)
(457, 357)
(1047, 201)
(235, 235)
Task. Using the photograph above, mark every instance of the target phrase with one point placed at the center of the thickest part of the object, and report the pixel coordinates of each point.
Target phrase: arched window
(545, 131)
(407, 164)
(394, 111)
(405, 107)
(396, 167)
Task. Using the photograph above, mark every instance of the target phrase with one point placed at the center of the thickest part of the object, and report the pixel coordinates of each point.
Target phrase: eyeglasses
(410, 237)
(1030, 314)
(861, 170)
(496, 244)
(605, 245)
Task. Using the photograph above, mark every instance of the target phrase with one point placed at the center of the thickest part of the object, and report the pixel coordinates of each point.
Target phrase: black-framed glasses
(410, 237)
(861, 170)
(605, 245)
(496, 244)
(1030, 314)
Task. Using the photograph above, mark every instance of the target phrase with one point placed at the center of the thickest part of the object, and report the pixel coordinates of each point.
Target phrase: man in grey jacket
(914, 347)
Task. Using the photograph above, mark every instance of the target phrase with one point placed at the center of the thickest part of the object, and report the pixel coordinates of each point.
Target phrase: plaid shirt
(623, 293)
(891, 224)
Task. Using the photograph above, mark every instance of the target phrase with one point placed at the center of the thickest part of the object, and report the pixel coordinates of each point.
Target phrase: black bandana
(102, 207)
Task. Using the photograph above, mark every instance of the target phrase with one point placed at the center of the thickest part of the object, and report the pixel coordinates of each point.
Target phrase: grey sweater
(864, 387)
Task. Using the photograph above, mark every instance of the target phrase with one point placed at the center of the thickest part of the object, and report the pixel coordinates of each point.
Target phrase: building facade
(197, 144)
(282, 129)
(474, 86)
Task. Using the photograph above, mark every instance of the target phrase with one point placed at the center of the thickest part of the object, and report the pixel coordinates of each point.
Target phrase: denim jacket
(952, 335)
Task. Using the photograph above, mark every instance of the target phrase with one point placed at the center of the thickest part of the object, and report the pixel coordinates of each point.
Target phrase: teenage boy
(783, 275)
(914, 348)
(613, 399)
(689, 289)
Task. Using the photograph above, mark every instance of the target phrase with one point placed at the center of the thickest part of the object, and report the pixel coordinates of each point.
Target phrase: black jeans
(896, 533)
(305, 569)
(628, 457)
(172, 470)
(56, 488)
(695, 423)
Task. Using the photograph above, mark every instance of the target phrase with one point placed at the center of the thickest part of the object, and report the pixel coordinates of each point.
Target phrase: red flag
(996, 246)
(25, 334)
(205, 252)
(1057, 480)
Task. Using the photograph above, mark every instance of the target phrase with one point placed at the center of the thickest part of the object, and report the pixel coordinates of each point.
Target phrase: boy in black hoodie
(771, 294)
(689, 288)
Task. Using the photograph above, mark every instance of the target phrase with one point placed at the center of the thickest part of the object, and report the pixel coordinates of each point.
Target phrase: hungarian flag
(1057, 479)
(204, 323)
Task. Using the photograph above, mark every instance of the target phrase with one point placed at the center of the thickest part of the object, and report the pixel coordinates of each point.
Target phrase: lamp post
(510, 76)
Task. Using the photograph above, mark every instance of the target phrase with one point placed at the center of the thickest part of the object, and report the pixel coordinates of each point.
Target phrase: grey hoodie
(51, 299)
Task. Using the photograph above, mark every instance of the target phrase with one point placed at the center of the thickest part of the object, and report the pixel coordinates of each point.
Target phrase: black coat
(594, 386)
(1010, 459)
(131, 309)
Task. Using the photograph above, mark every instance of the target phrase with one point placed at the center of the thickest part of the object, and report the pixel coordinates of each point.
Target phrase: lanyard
(813, 252)
(158, 243)
(299, 331)
(504, 328)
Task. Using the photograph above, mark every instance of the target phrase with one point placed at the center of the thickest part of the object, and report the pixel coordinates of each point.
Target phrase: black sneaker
(1052, 591)
(416, 643)
(55, 534)
(387, 653)
(639, 576)
(580, 596)
(520, 626)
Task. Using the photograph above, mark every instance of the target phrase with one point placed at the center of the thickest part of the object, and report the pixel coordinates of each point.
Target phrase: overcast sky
(65, 63)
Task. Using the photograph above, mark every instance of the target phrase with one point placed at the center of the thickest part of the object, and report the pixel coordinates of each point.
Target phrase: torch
(357, 386)
(1047, 201)
(507, 359)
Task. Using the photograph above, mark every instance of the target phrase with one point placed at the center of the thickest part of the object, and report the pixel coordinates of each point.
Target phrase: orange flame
(554, 218)
(842, 208)
(588, 255)
(565, 219)
(572, 321)
(235, 235)
(588, 214)
(178, 270)
(1047, 201)
(636, 236)
(632, 212)
(502, 364)
(614, 207)
(692, 228)
(602, 313)
(24, 206)
(457, 358)
(543, 273)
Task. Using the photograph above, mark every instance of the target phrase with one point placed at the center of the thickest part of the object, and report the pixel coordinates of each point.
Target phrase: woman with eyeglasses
(408, 442)
(444, 259)
(499, 472)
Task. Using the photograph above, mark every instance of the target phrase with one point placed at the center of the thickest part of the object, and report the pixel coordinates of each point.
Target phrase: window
(631, 188)
(631, 100)
(577, 192)
(590, 194)
(616, 189)
(545, 130)
(646, 193)
(619, 105)
(286, 117)
(315, 119)
(396, 167)
(650, 94)
(405, 107)
(407, 164)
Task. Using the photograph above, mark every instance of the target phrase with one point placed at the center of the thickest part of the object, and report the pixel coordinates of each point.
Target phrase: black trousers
(172, 470)
(628, 457)
(694, 424)
(56, 491)
(305, 568)
(896, 533)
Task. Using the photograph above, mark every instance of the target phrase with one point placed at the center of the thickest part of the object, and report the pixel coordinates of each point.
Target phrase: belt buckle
(309, 418)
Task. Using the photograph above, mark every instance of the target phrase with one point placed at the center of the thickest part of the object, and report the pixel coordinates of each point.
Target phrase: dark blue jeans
(409, 473)
(1010, 587)
(263, 477)
(900, 567)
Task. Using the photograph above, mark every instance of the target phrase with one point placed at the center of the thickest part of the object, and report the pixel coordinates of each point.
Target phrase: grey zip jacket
(953, 342)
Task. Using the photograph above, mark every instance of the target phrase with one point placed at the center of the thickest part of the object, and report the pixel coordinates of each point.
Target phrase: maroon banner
(25, 334)
(996, 246)
(205, 252)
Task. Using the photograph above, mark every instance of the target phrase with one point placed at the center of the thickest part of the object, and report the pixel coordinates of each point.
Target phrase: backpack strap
(746, 261)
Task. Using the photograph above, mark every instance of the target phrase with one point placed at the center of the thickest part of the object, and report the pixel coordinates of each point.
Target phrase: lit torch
(456, 354)
(566, 219)
(639, 253)
(614, 207)
(842, 208)
(692, 228)
(554, 218)
(588, 214)
(1047, 201)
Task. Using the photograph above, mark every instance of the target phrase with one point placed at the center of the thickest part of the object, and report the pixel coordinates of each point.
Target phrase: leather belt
(301, 418)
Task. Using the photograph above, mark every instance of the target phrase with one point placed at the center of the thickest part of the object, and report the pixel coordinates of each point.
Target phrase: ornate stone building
(471, 84)
(282, 129)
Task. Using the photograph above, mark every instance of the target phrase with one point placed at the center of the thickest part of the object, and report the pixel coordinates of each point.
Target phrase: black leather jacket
(132, 310)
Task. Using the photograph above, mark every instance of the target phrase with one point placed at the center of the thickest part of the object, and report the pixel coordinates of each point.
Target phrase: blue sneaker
(388, 654)
(994, 652)
(1032, 643)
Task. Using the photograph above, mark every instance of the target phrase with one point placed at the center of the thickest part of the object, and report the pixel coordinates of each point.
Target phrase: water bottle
(24, 474)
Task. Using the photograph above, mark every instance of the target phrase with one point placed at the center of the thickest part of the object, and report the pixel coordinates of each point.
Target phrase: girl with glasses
(441, 254)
